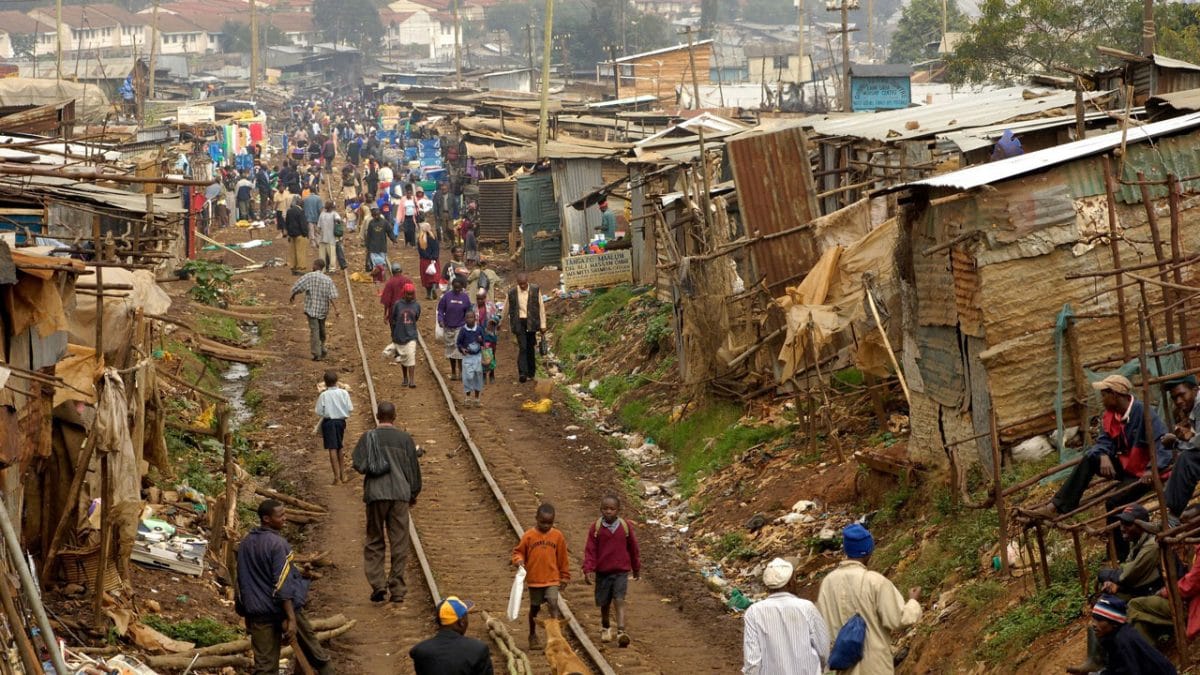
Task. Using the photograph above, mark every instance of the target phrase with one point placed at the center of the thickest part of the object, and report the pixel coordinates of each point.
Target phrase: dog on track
(562, 659)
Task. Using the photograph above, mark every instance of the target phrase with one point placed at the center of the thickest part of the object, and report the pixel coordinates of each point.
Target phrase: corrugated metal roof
(497, 209)
(1188, 100)
(656, 52)
(880, 70)
(970, 111)
(1168, 62)
(972, 139)
(986, 174)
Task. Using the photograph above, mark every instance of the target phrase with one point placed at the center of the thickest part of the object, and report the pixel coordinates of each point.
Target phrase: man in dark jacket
(262, 183)
(296, 227)
(1126, 652)
(376, 235)
(527, 318)
(271, 595)
(450, 651)
(1120, 453)
(387, 459)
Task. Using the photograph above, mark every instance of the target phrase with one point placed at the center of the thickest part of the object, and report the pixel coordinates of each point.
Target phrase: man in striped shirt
(783, 634)
(319, 294)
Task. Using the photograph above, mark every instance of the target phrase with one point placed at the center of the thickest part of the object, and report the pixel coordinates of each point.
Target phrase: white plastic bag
(432, 269)
(439, 333)
(514, 597)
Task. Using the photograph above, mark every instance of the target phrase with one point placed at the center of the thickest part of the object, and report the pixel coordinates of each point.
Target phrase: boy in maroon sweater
(611, 554)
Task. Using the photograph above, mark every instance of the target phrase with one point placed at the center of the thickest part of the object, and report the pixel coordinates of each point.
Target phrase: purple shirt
(452, 309)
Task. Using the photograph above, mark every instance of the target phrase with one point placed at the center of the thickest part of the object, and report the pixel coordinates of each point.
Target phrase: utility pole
(612, 56)
(700, 133)
(846, 56)
(800, 4)
(529, 48)
(624, 43)
(153, 49)
(58, 39)
(1148, 28)
(457, 45)
(563, 41)
(547, 47)
(946, 21)
(253, 48)
(871, 29)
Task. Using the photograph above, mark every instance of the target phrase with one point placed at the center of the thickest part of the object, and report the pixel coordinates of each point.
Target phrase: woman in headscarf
(428, 249)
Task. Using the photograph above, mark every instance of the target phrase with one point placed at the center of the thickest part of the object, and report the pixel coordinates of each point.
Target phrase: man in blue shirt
(271, 595)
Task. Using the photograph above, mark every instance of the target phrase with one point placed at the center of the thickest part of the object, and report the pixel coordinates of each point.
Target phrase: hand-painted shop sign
(880, 93)
(597, 270)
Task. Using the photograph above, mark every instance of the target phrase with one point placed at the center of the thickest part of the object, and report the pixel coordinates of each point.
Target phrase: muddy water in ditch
(234, 381)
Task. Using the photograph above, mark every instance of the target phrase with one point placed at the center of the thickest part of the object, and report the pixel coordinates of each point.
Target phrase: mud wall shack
(990, 256)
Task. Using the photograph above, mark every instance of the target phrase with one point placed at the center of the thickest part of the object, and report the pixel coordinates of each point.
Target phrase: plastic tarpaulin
(830, 299)
(118, 312)
(90, 102)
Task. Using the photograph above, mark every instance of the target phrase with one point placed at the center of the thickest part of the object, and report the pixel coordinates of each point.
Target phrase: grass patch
(220, 328)
(733, 546)
(613, 387)
(585, 336)
(951, 552)
(204, 632)
(704, 441)
(1047, 611)
(572, 402)
(979, 594)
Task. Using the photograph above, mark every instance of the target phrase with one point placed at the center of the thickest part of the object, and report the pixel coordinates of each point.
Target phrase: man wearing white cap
(784, 634)
(1120, 453)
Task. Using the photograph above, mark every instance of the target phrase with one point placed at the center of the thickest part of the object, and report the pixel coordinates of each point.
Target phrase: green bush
(212, 281)
(204, 632)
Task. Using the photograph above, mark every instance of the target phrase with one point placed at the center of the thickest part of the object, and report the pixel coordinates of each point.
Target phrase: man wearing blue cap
(450, 651)
(1125, 651)
(852, 589)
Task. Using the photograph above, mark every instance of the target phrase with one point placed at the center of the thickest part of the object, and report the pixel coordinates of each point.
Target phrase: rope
(517, 661)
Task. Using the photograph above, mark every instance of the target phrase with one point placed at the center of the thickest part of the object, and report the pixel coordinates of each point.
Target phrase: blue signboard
(880, 93)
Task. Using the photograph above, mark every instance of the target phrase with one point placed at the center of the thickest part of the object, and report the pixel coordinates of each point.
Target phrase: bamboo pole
(18, 623)
(833, 436)
(998, 493)
(888, 344)
(30, 588)
(1156, 238)
(1177, 248)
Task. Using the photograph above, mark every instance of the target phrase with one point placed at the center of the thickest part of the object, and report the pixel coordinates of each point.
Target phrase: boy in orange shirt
(542, 551)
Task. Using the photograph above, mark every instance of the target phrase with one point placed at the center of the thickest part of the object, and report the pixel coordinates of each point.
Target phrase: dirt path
(676, 625)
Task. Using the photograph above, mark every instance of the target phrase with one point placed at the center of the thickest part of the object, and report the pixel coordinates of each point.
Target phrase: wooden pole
(888, 344)
(106, 490)
(58, 46)
(1169, 296)
(31, 590)
(29, 657)
(458, 81)
(1177, 252)
(704, 203)
(833, 437)
(998, 493)
(1041, 542)
(1114, 246)
(846, 107)
(253, 48)
(1079, 379)
(544, 112)
(153, 49)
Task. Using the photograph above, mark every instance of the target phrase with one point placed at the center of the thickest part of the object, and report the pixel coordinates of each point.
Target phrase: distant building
(777, 62)
(25, 36)
(298, 27)
(468, 10)
(94, 26)
(657, 72)
(432, 30)
(668, 9)
(508, 80)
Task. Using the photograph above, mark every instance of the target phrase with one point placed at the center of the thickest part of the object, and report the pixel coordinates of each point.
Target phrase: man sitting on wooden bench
(1120, 454)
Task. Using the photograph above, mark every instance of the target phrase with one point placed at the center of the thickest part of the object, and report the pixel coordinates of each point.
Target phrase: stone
(152, 606)
(650, 489)
(803, 505)
(1032, 449)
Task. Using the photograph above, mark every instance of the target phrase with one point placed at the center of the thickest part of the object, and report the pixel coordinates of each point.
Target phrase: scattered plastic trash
(541, 407)
(738, 601)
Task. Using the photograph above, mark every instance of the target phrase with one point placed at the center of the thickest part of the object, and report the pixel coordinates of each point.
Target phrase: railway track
(470, 525)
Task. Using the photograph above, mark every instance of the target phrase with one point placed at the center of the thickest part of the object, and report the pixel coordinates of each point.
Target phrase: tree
(1014, 38)
(348, 21)
(593, 25)
(1178, 27)
(921, 23)
(235, 36)
(23, 45)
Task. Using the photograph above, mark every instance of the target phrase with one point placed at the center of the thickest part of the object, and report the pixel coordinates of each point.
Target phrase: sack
(848, 646)
(432, 268)
(514, 596)
(439, 332)
(486, 359)
(376, 461)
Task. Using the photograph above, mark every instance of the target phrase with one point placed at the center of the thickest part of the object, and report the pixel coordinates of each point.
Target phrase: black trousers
(1068, 496)
(1182, 483)
(526, 350)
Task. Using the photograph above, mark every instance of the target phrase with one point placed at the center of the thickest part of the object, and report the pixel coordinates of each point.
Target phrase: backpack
(339, 228)
(851, 639)
(848, 646)
(622, 525)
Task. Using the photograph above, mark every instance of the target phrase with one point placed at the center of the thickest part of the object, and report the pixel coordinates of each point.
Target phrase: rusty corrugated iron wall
(776, 193)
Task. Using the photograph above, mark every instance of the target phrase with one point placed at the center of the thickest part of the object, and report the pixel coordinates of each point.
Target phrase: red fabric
(256, 132)
(607, 552)
(430, 280)
(1134, 461)
(392, 291)
(1189, 588)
